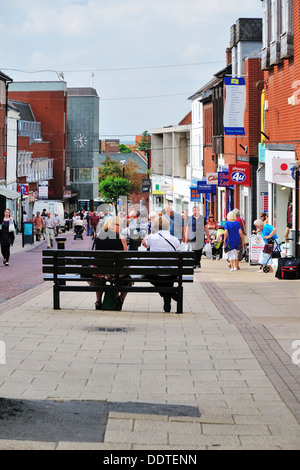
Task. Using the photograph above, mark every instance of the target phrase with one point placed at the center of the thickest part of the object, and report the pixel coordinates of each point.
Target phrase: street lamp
(123, 163)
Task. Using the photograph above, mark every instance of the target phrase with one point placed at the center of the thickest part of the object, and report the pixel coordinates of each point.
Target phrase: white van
(54, 207)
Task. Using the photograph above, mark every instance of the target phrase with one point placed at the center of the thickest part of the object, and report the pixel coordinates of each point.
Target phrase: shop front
(279, 165)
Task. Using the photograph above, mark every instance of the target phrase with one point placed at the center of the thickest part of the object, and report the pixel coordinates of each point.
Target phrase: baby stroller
(217, 244)
(273, 249)
(78, 231)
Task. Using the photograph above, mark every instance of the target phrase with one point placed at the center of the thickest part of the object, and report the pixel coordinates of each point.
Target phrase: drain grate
(112, 330)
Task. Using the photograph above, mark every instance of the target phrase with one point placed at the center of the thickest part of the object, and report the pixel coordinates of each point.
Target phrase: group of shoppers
(166, 231)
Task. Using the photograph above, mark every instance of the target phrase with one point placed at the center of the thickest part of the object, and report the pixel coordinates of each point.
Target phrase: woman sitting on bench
(109, 239)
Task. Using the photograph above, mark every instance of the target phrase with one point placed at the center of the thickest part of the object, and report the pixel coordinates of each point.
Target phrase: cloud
(76, 35)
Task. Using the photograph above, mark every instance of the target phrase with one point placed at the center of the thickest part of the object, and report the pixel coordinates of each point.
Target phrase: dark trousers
(197, 257)
(162, 281)
(5, 251)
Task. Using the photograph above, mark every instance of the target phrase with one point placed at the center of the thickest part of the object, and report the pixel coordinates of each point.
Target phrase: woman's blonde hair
(110, 223)
(160, 223)
(231, 216)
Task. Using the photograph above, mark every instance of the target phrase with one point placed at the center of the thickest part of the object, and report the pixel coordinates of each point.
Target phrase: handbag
(227, 248)
(268, 248)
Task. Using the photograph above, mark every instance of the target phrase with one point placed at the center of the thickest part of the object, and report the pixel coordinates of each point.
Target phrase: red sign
(240, 173)
(23, 189)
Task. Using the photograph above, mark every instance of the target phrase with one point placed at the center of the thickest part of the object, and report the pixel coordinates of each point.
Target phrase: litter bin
(28, 233)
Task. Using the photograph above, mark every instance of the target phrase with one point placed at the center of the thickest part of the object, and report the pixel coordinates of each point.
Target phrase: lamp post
(123, 163)
(296, 245)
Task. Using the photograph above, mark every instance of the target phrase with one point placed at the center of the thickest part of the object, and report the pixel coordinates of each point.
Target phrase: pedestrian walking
(233, 234)
(57, 220)
(195, 234)
(7, 235)
(212, 225)
(160, 239)
(176, 223)
(49, 229)
(268, 232)
(44, 215)
(94, 221)
(39, 226)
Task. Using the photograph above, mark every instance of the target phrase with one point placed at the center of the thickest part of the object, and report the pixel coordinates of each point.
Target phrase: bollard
(60, 243)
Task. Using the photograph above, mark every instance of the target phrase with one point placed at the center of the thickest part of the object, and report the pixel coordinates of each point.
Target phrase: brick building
(280, 111)
(48, 101)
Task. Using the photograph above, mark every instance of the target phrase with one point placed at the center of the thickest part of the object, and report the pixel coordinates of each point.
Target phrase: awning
(8, 193)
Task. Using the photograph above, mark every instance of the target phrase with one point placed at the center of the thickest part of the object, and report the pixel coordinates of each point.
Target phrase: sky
(144, 58)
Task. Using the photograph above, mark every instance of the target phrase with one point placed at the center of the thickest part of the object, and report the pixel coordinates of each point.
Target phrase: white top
(156, 242)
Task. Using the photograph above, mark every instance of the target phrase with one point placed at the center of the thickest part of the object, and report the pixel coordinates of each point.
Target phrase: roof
(205, 87)
(82, 91)
(26, 113)
(126, 156)
(5, 77)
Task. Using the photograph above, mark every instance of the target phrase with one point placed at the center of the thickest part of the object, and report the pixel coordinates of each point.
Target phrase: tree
(113, 187)
(124, 149)
(110, 168)
(144, 145)
(113, 168)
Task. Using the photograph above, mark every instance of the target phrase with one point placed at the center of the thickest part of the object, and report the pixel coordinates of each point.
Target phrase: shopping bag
(110, 301)
(287, 262)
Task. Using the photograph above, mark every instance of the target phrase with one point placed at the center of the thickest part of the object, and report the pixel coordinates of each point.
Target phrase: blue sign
(235, 105)
(223, 179)
(238, 176)
(22, 189)
(205, 188)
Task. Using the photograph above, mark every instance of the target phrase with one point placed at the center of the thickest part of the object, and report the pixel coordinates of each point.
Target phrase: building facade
(48, 101)
(280, 112)
(83, 146)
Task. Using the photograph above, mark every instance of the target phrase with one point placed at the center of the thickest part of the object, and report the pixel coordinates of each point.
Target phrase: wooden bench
(68, 268)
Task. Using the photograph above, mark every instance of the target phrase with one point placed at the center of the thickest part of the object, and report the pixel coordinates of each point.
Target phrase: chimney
(228, 56)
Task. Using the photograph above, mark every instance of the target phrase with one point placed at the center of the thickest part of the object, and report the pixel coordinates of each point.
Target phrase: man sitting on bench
(161, 240)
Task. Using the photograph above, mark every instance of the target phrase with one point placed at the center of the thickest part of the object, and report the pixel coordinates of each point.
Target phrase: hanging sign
(235, 105)
(205, 188)
(223, 179)
(240, 174)
(211, 178)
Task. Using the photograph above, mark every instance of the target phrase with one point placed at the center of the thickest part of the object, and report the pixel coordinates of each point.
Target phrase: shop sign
(240, 174)
(282, 171)
(195, 194)
(205, 188)
(279, 167)
(223, 179)
(211, 178)
(256, 246)
(235, 105)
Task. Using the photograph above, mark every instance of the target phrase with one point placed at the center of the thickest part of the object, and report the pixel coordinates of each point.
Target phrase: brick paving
(276, 363)
(220, 376)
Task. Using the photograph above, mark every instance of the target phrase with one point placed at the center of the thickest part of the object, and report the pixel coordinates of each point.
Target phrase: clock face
(80, 140)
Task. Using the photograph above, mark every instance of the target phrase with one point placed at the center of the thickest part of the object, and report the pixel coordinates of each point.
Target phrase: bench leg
(56, 298)
(180, 300)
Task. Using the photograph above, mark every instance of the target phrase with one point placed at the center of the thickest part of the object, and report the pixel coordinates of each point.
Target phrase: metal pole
(296, 244)
(22, 222)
